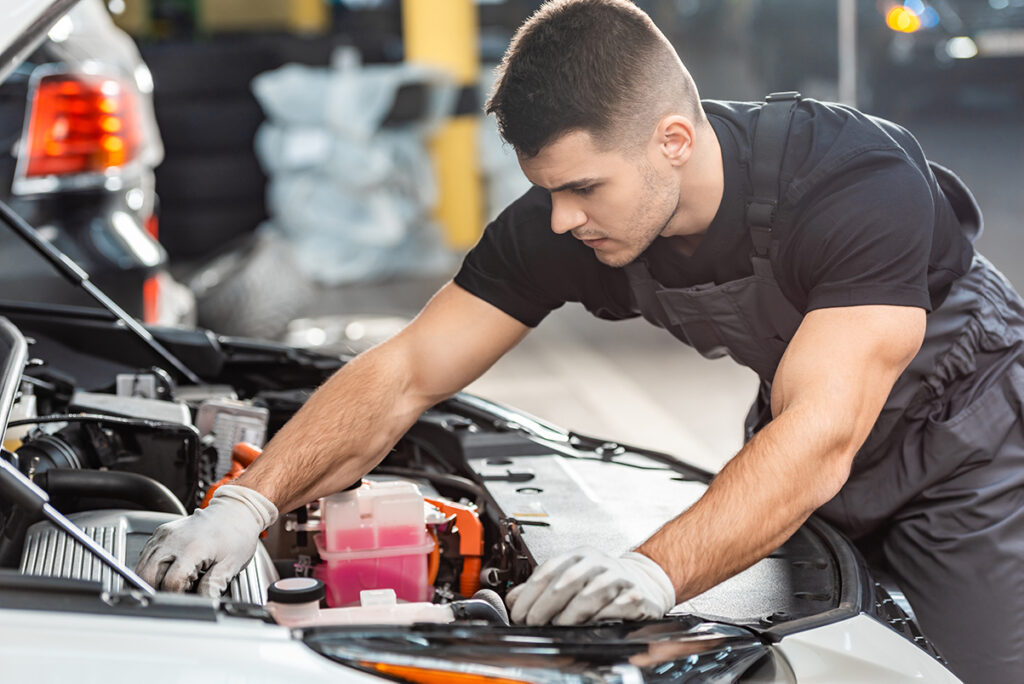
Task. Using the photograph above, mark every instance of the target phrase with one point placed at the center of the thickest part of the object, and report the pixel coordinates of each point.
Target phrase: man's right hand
(219, 539)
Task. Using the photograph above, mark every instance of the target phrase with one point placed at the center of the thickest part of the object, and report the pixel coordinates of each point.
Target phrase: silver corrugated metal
(48, 551)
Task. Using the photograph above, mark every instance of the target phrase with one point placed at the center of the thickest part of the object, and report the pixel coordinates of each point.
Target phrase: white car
(122, 428)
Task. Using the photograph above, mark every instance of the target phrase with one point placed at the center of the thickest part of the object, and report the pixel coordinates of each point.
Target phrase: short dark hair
(599, 66)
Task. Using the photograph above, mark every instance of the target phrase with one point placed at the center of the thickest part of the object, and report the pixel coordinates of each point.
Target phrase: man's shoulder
(827, 123)
(826, 141)
(830, 141)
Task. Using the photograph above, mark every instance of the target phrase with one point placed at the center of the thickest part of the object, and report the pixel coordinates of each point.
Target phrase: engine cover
(48, 551)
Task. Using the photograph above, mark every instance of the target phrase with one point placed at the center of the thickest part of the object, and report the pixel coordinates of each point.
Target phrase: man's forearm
(342, 431)
(758, 500)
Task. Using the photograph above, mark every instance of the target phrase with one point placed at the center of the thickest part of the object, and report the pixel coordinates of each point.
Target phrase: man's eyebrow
(575, 185)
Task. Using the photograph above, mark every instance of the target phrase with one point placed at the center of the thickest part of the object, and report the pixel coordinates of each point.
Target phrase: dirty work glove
(588, 585)
(219, 539)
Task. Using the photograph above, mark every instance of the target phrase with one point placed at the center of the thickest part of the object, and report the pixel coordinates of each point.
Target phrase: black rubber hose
(481, 497)
(490, 596)
(476, 609)
(111, 484)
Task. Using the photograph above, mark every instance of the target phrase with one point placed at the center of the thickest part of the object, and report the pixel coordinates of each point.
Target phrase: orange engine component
(471, 542)
(242, 456)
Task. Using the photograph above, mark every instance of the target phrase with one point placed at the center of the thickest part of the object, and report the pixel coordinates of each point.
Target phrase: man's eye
(584, 191)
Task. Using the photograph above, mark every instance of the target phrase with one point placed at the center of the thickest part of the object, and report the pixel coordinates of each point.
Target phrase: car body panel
(42, 646)
(116, 650)
(857, 650)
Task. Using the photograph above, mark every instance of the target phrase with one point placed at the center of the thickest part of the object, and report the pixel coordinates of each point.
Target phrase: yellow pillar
(443, 33)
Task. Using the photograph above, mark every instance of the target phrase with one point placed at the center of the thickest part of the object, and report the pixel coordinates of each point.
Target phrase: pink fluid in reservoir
(352, 539)
(393, 564)
(362, 538)
(407, 575)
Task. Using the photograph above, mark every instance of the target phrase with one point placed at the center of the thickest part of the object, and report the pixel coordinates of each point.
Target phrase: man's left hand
(588, 585)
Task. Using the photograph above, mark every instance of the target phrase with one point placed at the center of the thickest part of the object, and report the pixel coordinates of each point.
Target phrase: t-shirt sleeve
(865, 238)
(521, 266)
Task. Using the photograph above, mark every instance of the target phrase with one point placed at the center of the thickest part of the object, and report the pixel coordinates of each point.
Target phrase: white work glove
(588, 585)
(219, 539)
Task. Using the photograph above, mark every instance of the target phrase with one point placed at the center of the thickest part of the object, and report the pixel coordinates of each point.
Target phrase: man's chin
(615, 259)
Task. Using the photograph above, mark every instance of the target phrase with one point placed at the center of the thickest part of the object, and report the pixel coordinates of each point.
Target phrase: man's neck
(685, 244)
(702, 185)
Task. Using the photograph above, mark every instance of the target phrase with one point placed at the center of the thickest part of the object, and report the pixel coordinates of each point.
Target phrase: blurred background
(312, 172)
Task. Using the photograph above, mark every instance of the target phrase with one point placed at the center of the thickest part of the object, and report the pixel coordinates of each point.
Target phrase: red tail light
(81, 124)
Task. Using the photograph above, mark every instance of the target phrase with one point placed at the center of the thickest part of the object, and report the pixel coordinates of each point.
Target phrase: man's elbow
(833, 477)
(834, 466)
(423, 383)
(830, 442)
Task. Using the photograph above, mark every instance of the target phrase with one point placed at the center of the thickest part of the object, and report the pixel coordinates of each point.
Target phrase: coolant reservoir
(374, 537)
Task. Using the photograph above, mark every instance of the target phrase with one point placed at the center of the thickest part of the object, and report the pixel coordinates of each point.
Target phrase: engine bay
(123, 461)
(482, 493)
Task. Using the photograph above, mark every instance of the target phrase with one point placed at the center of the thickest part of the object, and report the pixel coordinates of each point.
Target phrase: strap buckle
(761, 213)
(761, 236)
(783, 97)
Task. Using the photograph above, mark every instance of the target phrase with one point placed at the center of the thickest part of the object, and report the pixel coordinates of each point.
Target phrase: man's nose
(566, 217)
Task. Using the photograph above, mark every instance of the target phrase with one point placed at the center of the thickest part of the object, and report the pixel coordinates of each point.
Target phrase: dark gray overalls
(937, 490)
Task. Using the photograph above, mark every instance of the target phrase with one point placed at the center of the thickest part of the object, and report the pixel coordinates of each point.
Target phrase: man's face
(615, 204)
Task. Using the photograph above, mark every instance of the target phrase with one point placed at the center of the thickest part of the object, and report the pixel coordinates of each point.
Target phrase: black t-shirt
(861, 221)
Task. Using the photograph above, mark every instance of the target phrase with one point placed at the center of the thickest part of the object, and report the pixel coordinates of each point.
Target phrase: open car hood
(24, 27)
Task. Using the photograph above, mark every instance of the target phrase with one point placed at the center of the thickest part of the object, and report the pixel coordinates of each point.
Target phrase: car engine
(122, 461)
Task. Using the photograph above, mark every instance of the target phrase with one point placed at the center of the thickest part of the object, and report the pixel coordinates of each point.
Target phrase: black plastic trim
(856, 594)
(60, 594)
(122, 486)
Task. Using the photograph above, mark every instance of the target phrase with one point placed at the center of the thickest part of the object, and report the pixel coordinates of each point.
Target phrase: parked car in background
(78, 148)
(936, 52)
(911, 54)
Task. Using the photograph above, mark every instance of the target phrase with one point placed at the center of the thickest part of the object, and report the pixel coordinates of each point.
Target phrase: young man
(809, 242)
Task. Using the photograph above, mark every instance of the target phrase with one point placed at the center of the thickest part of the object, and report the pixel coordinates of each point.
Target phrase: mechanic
(809, 242)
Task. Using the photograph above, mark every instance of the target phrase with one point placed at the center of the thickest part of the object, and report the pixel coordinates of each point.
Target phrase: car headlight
(911, 16)
(961, 47)
(680, 650)
(901, 19)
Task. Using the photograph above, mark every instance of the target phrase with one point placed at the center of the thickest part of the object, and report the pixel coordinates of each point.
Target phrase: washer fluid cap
(296, 590)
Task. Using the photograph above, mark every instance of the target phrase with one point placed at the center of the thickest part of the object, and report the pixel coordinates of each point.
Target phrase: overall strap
(770, 135)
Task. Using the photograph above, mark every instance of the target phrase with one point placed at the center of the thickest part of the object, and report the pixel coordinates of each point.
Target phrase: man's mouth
(593, 243)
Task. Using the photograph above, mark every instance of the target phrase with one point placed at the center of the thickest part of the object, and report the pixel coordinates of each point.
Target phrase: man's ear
(674, 138)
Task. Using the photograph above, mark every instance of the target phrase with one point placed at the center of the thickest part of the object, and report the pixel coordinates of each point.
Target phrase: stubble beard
(652, 215)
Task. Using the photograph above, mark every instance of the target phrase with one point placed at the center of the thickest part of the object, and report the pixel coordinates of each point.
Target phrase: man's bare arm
(357, 416)
(827, 393)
